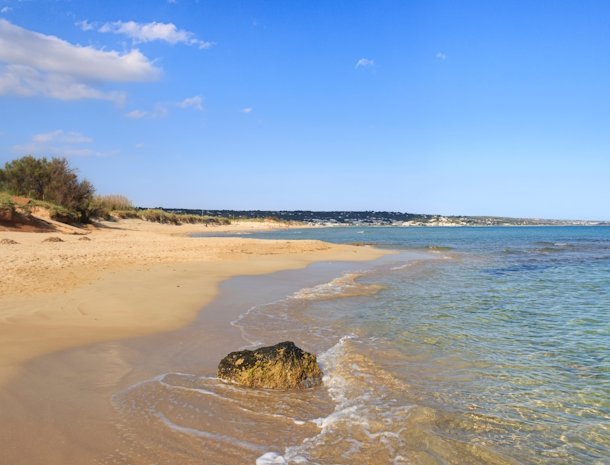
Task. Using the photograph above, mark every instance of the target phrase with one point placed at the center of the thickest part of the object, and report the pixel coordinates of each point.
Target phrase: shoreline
(67, 399)
(131, 279)
(67, 352)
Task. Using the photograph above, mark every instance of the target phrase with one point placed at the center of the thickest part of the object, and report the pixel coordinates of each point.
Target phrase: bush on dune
(54, 186)
(7, 207)
(51, 181)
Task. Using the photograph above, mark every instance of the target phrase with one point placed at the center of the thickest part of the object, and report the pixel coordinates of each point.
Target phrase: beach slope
(127, 279)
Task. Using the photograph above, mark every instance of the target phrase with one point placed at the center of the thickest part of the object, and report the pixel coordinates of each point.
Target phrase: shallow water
(473, 346)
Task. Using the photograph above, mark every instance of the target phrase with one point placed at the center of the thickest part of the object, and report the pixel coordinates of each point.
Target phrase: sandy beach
(129, 279)
(62, 304)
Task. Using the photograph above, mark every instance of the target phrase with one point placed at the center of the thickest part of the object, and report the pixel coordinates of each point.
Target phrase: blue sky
(469, 107)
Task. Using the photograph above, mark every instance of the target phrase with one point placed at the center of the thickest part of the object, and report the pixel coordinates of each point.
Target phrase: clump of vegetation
(106, 206)
(7, 207)
(8, 242)
(53, 239)
(158, 215)
(6, 201)
(118, 206)
(125, 214)
(51, 181)
(113, 202)
(54, 186)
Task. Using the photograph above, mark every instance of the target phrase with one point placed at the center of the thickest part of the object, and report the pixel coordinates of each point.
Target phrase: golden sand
(131, 278)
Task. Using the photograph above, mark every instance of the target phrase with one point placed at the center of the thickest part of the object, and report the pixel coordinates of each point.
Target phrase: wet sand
(62, 358)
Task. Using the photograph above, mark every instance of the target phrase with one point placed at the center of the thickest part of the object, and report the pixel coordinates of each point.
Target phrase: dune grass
(106, 207)
(157, 215)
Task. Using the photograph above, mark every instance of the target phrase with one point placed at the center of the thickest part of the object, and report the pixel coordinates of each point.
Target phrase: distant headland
(380, 218)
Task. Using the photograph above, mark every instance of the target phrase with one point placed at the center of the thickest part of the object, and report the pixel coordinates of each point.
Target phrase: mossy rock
(282, 366)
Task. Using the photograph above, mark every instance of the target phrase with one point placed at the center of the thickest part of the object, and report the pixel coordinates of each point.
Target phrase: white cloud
(34, 64)
(6, 9)
(26, 81)
(148, 32)
(49, 53)
(136, 114)
(60, 135)
(59, 143)
(195, 102)
(246, 110)
(365, 63)
(161, 109)
(441, 56)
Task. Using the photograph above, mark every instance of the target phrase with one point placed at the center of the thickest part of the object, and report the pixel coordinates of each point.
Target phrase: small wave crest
(207, 417)
(343, 286)
(438, 248)
(288, 318)
(365, 424)
(374, 421)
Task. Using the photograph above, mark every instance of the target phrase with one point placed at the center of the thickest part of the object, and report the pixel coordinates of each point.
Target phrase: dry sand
(130, 278)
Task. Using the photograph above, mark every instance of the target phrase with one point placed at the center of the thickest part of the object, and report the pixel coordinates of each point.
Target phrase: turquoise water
(468, 346)
(491, 346)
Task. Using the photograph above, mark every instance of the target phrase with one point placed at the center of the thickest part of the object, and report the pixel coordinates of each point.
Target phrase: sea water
(469, 346)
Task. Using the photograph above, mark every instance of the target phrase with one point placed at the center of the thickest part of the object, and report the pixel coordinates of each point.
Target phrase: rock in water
(282, 366)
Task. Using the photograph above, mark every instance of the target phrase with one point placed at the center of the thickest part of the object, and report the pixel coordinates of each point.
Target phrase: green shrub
(5, 200)
(7, 207)
(51, 181)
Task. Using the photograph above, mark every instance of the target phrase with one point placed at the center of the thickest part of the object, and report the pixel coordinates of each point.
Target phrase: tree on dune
(48, 180)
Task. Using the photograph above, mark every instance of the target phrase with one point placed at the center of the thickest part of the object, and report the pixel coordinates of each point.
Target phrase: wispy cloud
(60, 135)
(149, 32)
(195, 102)
(59, 143)
(136, 114)
(365, 63)
(161, 109)
(85, 25)
(26, 81)
(441, 56)
(246, 110)
(6, 9)
(34, 64)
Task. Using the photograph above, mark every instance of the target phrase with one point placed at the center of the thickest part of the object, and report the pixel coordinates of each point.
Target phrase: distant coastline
(381, 218)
